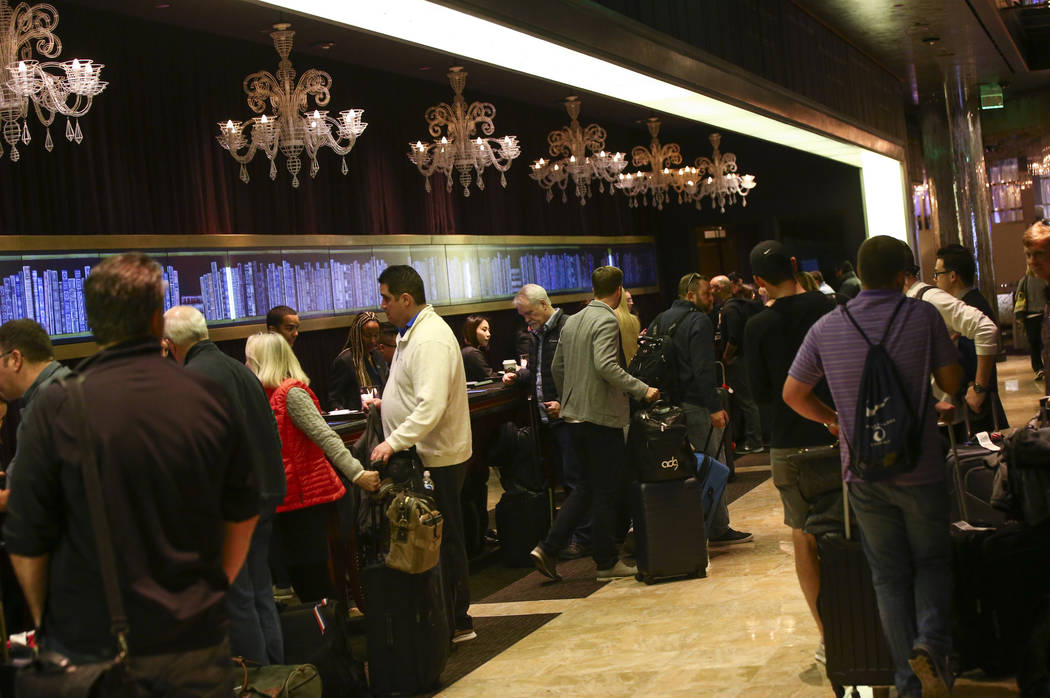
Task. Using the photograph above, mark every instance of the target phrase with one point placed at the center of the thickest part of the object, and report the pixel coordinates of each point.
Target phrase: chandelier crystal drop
(719, 178)
(51, 87)
(656, 186)
(457, 150)
(292, 127)
(578, 154)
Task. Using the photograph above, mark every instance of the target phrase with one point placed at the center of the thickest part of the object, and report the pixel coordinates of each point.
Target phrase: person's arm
(307, 419)
(558, 366)
(800, 397)
(35, 506)
(968, 321)
(948, 378)
(606, 355)
(432, 380)
(237, 537)
(475, 366)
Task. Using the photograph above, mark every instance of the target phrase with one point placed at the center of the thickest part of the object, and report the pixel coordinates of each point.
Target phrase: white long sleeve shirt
(961, 318)
(425, 398)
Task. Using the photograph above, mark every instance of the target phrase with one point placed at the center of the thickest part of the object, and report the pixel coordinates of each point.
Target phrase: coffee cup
(510, 366)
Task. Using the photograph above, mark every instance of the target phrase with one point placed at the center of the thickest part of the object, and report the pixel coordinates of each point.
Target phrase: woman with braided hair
(359, 365)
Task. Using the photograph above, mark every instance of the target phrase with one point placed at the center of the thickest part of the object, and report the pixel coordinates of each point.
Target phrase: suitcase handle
(960, 495)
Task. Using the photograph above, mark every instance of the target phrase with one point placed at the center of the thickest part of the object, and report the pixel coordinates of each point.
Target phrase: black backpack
(656, 362)
(887, 437)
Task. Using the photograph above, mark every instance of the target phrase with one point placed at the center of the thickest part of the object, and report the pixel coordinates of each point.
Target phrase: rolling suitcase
(318, 634)
(972, 469)
(854, 644)
(712, 475)
(522, 519)
(670, 540)
(657, 444)
(407, 629)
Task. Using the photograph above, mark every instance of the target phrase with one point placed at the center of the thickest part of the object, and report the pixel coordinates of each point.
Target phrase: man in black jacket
(179, 496)
(545, 322)
(255, 629)
(694, 350)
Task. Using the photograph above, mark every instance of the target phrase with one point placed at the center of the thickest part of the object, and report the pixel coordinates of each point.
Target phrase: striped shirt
(918, 343)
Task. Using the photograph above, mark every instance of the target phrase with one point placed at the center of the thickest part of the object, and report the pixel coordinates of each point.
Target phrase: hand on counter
(509, 377)
(374, 402)
(381, 453)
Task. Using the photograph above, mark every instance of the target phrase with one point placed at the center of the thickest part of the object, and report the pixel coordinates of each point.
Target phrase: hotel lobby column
(953, 152)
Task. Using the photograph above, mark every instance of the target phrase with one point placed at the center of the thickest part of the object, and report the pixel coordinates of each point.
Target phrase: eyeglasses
(945, 271)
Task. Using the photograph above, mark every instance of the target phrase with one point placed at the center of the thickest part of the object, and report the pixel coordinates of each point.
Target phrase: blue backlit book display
(233, 286)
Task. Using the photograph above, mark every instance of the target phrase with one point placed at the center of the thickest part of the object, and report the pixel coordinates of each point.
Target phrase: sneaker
(930, 674)
(730, 537)
(627, 548)
(820, 656)
(1040, 375)
(545, 564)
(464, 634)
(285, 595)
(573, 551)
(620, 569)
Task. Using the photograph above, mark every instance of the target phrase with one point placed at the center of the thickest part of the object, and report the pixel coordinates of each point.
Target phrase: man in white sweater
(425, 405)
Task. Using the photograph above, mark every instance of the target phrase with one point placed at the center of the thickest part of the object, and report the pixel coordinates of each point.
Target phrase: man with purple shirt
(904, 520)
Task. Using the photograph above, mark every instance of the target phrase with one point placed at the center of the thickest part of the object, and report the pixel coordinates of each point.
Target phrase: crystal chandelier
(53, 88)
(459, 150)
(720, 180)
(571, 145)
(655, 186)
(291, 128)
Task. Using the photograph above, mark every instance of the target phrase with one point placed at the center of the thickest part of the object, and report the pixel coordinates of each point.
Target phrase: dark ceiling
(920, 41)
(249, 21)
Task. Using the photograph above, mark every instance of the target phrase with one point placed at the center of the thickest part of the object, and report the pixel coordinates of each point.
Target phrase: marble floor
(745, 630)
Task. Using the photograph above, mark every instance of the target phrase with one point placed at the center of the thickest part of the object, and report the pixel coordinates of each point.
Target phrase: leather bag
(416, 527)
(51, 674)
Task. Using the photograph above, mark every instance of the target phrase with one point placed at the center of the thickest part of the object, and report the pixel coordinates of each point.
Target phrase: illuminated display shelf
(234, 279)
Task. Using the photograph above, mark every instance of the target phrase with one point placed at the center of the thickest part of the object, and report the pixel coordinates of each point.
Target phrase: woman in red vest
(308, 446)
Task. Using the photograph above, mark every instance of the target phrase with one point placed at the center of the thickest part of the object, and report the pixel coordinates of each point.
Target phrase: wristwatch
(979, 389)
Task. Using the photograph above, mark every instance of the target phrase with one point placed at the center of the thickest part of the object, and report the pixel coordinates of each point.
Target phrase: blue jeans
(255, 629)
(906, 539)
(572, 475)
(708, 439)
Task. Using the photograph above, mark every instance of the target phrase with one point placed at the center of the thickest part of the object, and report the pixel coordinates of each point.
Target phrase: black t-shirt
(173, 472)
(772, 338)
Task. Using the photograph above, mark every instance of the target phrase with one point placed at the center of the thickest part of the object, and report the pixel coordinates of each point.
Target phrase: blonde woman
(299, 553)
(630, 326)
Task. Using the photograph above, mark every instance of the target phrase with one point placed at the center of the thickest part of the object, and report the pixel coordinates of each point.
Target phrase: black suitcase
(318, 634)
(854, 644)
(657, 444)
(670, 539)
(407, 629)
(975, 467)
(522, 520)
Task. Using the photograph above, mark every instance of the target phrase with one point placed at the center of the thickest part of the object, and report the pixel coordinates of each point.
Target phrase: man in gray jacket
(589, 373)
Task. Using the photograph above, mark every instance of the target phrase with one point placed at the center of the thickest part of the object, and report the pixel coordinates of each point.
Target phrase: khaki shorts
(785, 477)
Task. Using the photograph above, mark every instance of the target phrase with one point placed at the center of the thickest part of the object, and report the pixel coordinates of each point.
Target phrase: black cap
(771, 261)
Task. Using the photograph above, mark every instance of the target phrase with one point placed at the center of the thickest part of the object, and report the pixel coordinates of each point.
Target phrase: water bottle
(428, 484)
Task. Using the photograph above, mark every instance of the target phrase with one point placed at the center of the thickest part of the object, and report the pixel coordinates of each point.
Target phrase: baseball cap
(771, 261)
